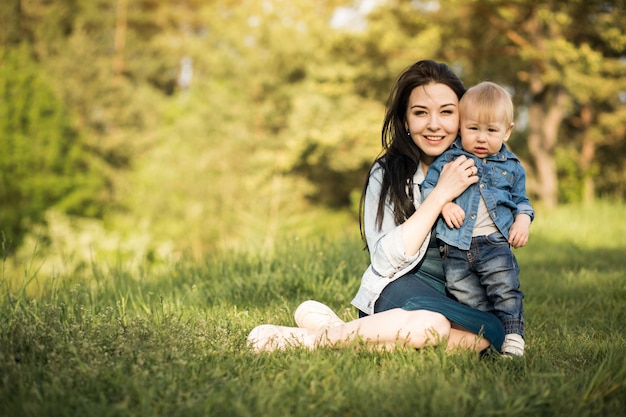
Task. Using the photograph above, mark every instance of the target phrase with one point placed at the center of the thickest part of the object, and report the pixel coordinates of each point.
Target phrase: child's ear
(507, 135)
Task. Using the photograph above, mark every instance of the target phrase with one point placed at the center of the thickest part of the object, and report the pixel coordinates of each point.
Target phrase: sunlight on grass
(156, 339)
(598, 225)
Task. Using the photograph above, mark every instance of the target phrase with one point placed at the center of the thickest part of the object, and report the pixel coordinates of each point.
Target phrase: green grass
(170, 340)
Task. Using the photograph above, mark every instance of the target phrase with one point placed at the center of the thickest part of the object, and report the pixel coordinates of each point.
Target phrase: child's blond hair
(490, 101)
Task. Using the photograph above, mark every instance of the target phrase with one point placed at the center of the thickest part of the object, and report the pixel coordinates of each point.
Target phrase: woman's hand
(455, 177)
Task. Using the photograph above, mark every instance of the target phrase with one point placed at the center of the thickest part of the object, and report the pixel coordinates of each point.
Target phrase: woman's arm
(387, 254)
(394, 247)
(454, 179)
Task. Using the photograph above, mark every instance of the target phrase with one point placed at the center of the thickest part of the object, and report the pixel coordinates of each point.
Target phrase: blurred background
(152, 130)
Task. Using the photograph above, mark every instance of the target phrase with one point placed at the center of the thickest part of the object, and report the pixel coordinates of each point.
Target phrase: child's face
(483, 137)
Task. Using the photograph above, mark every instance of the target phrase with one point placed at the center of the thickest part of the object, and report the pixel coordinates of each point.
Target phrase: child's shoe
(513, 345)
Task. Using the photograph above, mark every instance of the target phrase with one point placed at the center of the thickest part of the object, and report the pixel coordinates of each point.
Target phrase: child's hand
(518, 233)
(453, 214)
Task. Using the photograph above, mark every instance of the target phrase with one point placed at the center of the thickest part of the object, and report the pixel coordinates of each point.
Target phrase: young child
(477, 230)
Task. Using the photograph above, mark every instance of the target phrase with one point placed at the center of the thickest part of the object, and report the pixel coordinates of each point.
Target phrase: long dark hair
(400, 156)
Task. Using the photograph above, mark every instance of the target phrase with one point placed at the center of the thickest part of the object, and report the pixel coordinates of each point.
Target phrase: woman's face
(432, 119)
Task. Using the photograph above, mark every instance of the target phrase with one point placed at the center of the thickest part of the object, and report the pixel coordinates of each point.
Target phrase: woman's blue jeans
(424, 289)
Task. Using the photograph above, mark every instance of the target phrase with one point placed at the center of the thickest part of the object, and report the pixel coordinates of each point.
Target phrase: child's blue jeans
(486, 277)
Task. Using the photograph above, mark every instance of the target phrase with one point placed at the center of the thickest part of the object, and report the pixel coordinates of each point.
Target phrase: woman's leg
(420, 320)
(417, 328)
(388, 329)
(412, 293)
(461, 338)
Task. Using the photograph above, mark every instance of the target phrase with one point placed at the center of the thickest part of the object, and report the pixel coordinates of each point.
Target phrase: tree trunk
(587, 155)
(546, 113)
(120, 38)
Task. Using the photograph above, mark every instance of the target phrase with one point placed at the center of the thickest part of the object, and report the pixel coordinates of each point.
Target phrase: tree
(43, 162)
(278, 115)
(346, 95)
(563, 60)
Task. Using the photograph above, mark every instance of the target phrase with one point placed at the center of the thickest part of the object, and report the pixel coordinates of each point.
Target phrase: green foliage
(272, 134)
(570, 178)
(43, 163)
(146, 339)
(563, 61)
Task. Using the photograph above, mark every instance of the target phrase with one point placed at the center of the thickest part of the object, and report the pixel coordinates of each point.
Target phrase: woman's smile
(432, 119)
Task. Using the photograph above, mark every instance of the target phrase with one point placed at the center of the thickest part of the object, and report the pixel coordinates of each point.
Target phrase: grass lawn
(169, 340)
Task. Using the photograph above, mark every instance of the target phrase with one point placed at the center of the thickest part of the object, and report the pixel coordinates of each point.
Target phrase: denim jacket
(502, 185)
(387, 254)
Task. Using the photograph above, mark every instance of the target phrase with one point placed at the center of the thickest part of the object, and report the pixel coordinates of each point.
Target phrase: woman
(402, 296)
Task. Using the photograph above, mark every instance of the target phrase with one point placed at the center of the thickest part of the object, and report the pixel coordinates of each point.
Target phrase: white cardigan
(386, 248)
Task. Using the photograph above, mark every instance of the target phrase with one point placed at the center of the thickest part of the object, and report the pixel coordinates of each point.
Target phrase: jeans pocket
(496, 239)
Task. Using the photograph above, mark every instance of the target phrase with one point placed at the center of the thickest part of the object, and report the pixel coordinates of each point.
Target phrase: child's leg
(461, 281)
(499, 275)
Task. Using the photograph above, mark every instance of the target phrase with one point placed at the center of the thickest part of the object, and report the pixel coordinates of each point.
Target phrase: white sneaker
(314, 315)
(268, 337)
(513, 345)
